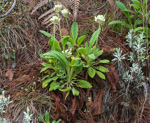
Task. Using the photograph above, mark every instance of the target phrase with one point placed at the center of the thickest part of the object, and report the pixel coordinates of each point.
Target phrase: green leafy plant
(139, 16)
(65, 64)
(90, 54)
(132, 77)
(45, 118)
(65, 60)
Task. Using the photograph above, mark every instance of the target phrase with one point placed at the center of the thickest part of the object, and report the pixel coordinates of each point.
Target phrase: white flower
(65, 13)
(99, 19)
(55, 19)
(67, 53)
(57, 8)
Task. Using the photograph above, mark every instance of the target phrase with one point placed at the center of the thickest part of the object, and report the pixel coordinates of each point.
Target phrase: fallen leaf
(112, 77)
(9, 74)
(22, 78)
(64, 32)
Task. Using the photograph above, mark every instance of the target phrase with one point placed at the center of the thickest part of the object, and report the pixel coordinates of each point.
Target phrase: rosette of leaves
(64, 70)
(90, 53)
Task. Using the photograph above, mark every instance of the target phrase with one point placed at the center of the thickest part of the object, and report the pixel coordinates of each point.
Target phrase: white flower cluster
(67, 52)
(100, 19)
(65, 13)
(55, 19)
(57, 8)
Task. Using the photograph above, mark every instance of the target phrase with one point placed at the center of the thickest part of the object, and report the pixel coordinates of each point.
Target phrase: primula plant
(66, 60)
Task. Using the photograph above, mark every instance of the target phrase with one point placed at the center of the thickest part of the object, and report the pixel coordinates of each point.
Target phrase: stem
(99, 27)
(59, 27)
(54, 37)
(67, 22)
(54, 31)
(70, 73)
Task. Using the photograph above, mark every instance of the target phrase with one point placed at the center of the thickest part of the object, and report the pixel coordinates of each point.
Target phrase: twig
(13, 5)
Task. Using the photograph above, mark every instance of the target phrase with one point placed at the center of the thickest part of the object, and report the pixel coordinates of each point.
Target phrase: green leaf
(92, 56)
(135, 6)
(44, 69)
(58, 56)
(67, 95)
(56, 45)
(83, 84)
(87, 48)
(41, 118)
(48, 35)
(130, 18)
(58, 121)
(102, 69)
(139, 29)
(64, 41)
(75, 92)
(120, 22)
(137, 2)
(47, 117)
(47, 81)
(122, 8)
(72, 42)
(45, 77)
(94, 38)
(80, 40)
(101, 75)
(45, 64)
(54, 85)
(75, 61)
(137, 22)
(91, 72)
(66, 89)
(99, 53)
(149, 21)
(81, 50)
(74, 32)
(79, 69)
(104, 61)
(144, 4)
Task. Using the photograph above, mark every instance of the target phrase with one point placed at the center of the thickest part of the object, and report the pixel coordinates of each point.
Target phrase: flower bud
(100, 19)
(65, 13)
(55, 19)
(57, 8)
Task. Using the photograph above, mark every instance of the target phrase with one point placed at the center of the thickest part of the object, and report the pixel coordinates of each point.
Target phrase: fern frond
(75, 7)
(40, 4)
(48, 18)
(46, 13)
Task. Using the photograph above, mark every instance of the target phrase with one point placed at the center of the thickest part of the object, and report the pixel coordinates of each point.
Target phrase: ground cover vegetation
(74, 61)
